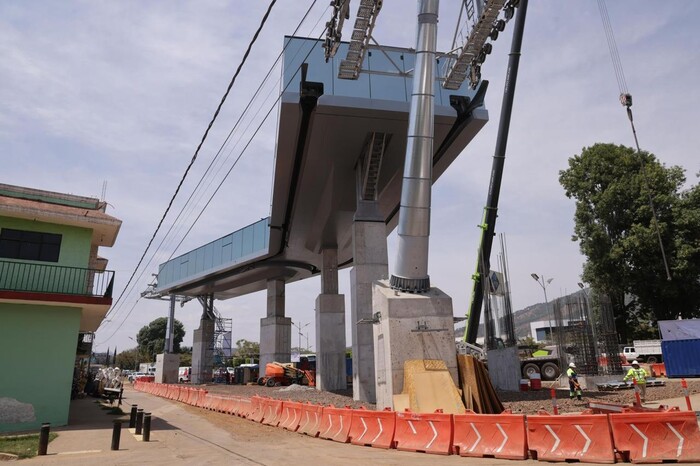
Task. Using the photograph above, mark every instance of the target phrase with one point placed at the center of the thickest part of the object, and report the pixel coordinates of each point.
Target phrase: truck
(648, 351)
(147, 368)
(545, 362)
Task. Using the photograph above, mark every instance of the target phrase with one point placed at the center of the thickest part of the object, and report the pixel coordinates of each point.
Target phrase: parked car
(136, 375)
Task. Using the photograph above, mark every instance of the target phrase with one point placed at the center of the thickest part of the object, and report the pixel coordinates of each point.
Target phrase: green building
(54, 293)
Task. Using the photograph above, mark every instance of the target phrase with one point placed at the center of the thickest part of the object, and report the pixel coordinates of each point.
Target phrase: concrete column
(371, 263)
(203, 351)
(275, 329)
(330, 327)
(411, 326)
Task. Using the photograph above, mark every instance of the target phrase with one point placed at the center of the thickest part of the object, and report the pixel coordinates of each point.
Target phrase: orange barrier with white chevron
(427, 433)
(291, 415)
(657, 437)
(372, 428)
(582, 437)
(490, 435)
(272, 411)
(335, 424)
(310, 423)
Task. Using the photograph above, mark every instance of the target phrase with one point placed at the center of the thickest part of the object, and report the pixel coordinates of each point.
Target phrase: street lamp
(541, 281)
(299, 328)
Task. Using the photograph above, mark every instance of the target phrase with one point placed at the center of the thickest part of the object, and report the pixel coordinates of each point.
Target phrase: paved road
(183, 435)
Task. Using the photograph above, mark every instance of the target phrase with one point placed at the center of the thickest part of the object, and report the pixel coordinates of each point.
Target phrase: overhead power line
(199, 146)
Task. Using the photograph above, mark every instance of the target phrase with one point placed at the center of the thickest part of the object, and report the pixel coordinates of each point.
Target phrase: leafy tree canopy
(616, 232)
(245, 352)
(130, 359)
(151, 338)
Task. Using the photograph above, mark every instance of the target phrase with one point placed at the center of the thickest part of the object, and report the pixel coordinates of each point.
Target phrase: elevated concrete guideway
(314, 195)
(341, 146)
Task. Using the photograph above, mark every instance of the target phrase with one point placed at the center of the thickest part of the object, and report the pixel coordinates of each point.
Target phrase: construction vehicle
(277, 373)
(545, 362)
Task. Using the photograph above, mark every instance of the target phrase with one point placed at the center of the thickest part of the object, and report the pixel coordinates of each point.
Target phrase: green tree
(151, 338)
(129, 359)
(615, 229)
(185, 356)
(245, 351)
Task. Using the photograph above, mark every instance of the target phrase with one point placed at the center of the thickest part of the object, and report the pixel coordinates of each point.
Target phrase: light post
(541, 281)
(299, 328)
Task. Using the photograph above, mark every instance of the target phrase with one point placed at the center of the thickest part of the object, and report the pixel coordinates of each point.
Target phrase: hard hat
(571, 364)
(635, 363)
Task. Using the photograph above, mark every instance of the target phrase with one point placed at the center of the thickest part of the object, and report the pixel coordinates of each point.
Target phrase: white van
(184, 374)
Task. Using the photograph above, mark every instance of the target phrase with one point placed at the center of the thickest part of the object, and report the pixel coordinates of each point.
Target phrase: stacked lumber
(478, 393)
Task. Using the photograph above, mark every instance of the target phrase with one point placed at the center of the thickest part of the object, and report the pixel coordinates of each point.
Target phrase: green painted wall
(37, 355)
(75, 245)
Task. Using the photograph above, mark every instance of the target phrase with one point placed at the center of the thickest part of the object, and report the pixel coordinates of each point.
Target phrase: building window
(29, 245)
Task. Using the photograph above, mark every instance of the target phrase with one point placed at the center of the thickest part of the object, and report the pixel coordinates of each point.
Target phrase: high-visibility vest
(570, 372)
(637, 374)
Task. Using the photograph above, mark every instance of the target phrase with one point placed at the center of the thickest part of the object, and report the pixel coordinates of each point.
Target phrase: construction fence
(644, 436)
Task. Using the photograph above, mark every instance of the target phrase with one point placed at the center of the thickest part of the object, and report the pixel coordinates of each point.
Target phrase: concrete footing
(167, 366)
(202, 352)
(411, 326)
(504, 368)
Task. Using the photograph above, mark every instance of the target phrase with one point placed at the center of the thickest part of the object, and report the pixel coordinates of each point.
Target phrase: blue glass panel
(247, 241)
(237, 244)
(259, 234)
(381, 86)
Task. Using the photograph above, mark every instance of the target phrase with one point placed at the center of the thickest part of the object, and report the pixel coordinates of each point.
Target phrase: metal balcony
(41, 278)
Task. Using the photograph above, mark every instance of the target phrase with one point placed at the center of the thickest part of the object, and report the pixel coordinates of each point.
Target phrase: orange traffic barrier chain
(245, 407)
(425, 433)
(256, 411)
(335, 424)
(291, 415)
(583, 437)
(657, 437)
(272, 411)
(490, 435)
(373, 428)
(310, 423)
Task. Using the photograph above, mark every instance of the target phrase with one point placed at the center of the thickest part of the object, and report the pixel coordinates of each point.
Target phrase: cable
(187, 203)
(204, 137)
(269, 112)
(626, 100)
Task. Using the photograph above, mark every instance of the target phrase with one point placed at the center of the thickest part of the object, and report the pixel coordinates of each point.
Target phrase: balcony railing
(41, 278)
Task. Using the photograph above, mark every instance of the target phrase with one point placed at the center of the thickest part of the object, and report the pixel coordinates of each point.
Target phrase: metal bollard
(116, 434)
(139, 421)
(147, 427)
(684, 384)
(44, 438)
(132, 417)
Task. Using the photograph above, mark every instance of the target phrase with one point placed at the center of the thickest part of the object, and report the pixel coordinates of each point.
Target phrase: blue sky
(121, 92)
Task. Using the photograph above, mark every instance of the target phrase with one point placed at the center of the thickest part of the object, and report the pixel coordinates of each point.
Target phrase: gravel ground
(519, 402)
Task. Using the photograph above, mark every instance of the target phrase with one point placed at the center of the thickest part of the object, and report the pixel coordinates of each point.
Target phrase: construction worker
(574, 387)
(639, 375)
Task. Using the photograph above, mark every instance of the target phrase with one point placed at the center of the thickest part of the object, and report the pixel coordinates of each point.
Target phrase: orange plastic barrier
(272, 411)
(291, 415)
(657, 437)
(182, 396)
(426, 433)
(310, 423)
(245, 407)
(373, 428)
(335, 424)
(256, 411)
(490, 435)
(583, 437)
(658, 369)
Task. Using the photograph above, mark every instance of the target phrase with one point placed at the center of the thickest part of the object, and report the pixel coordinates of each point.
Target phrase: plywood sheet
(402, 402)
(435, 390)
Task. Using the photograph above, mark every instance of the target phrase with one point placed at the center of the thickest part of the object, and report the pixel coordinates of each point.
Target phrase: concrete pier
(167, 365)
(203, 351)
(371, 263)
(275, 329)
(330, 327)
(411, 326)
